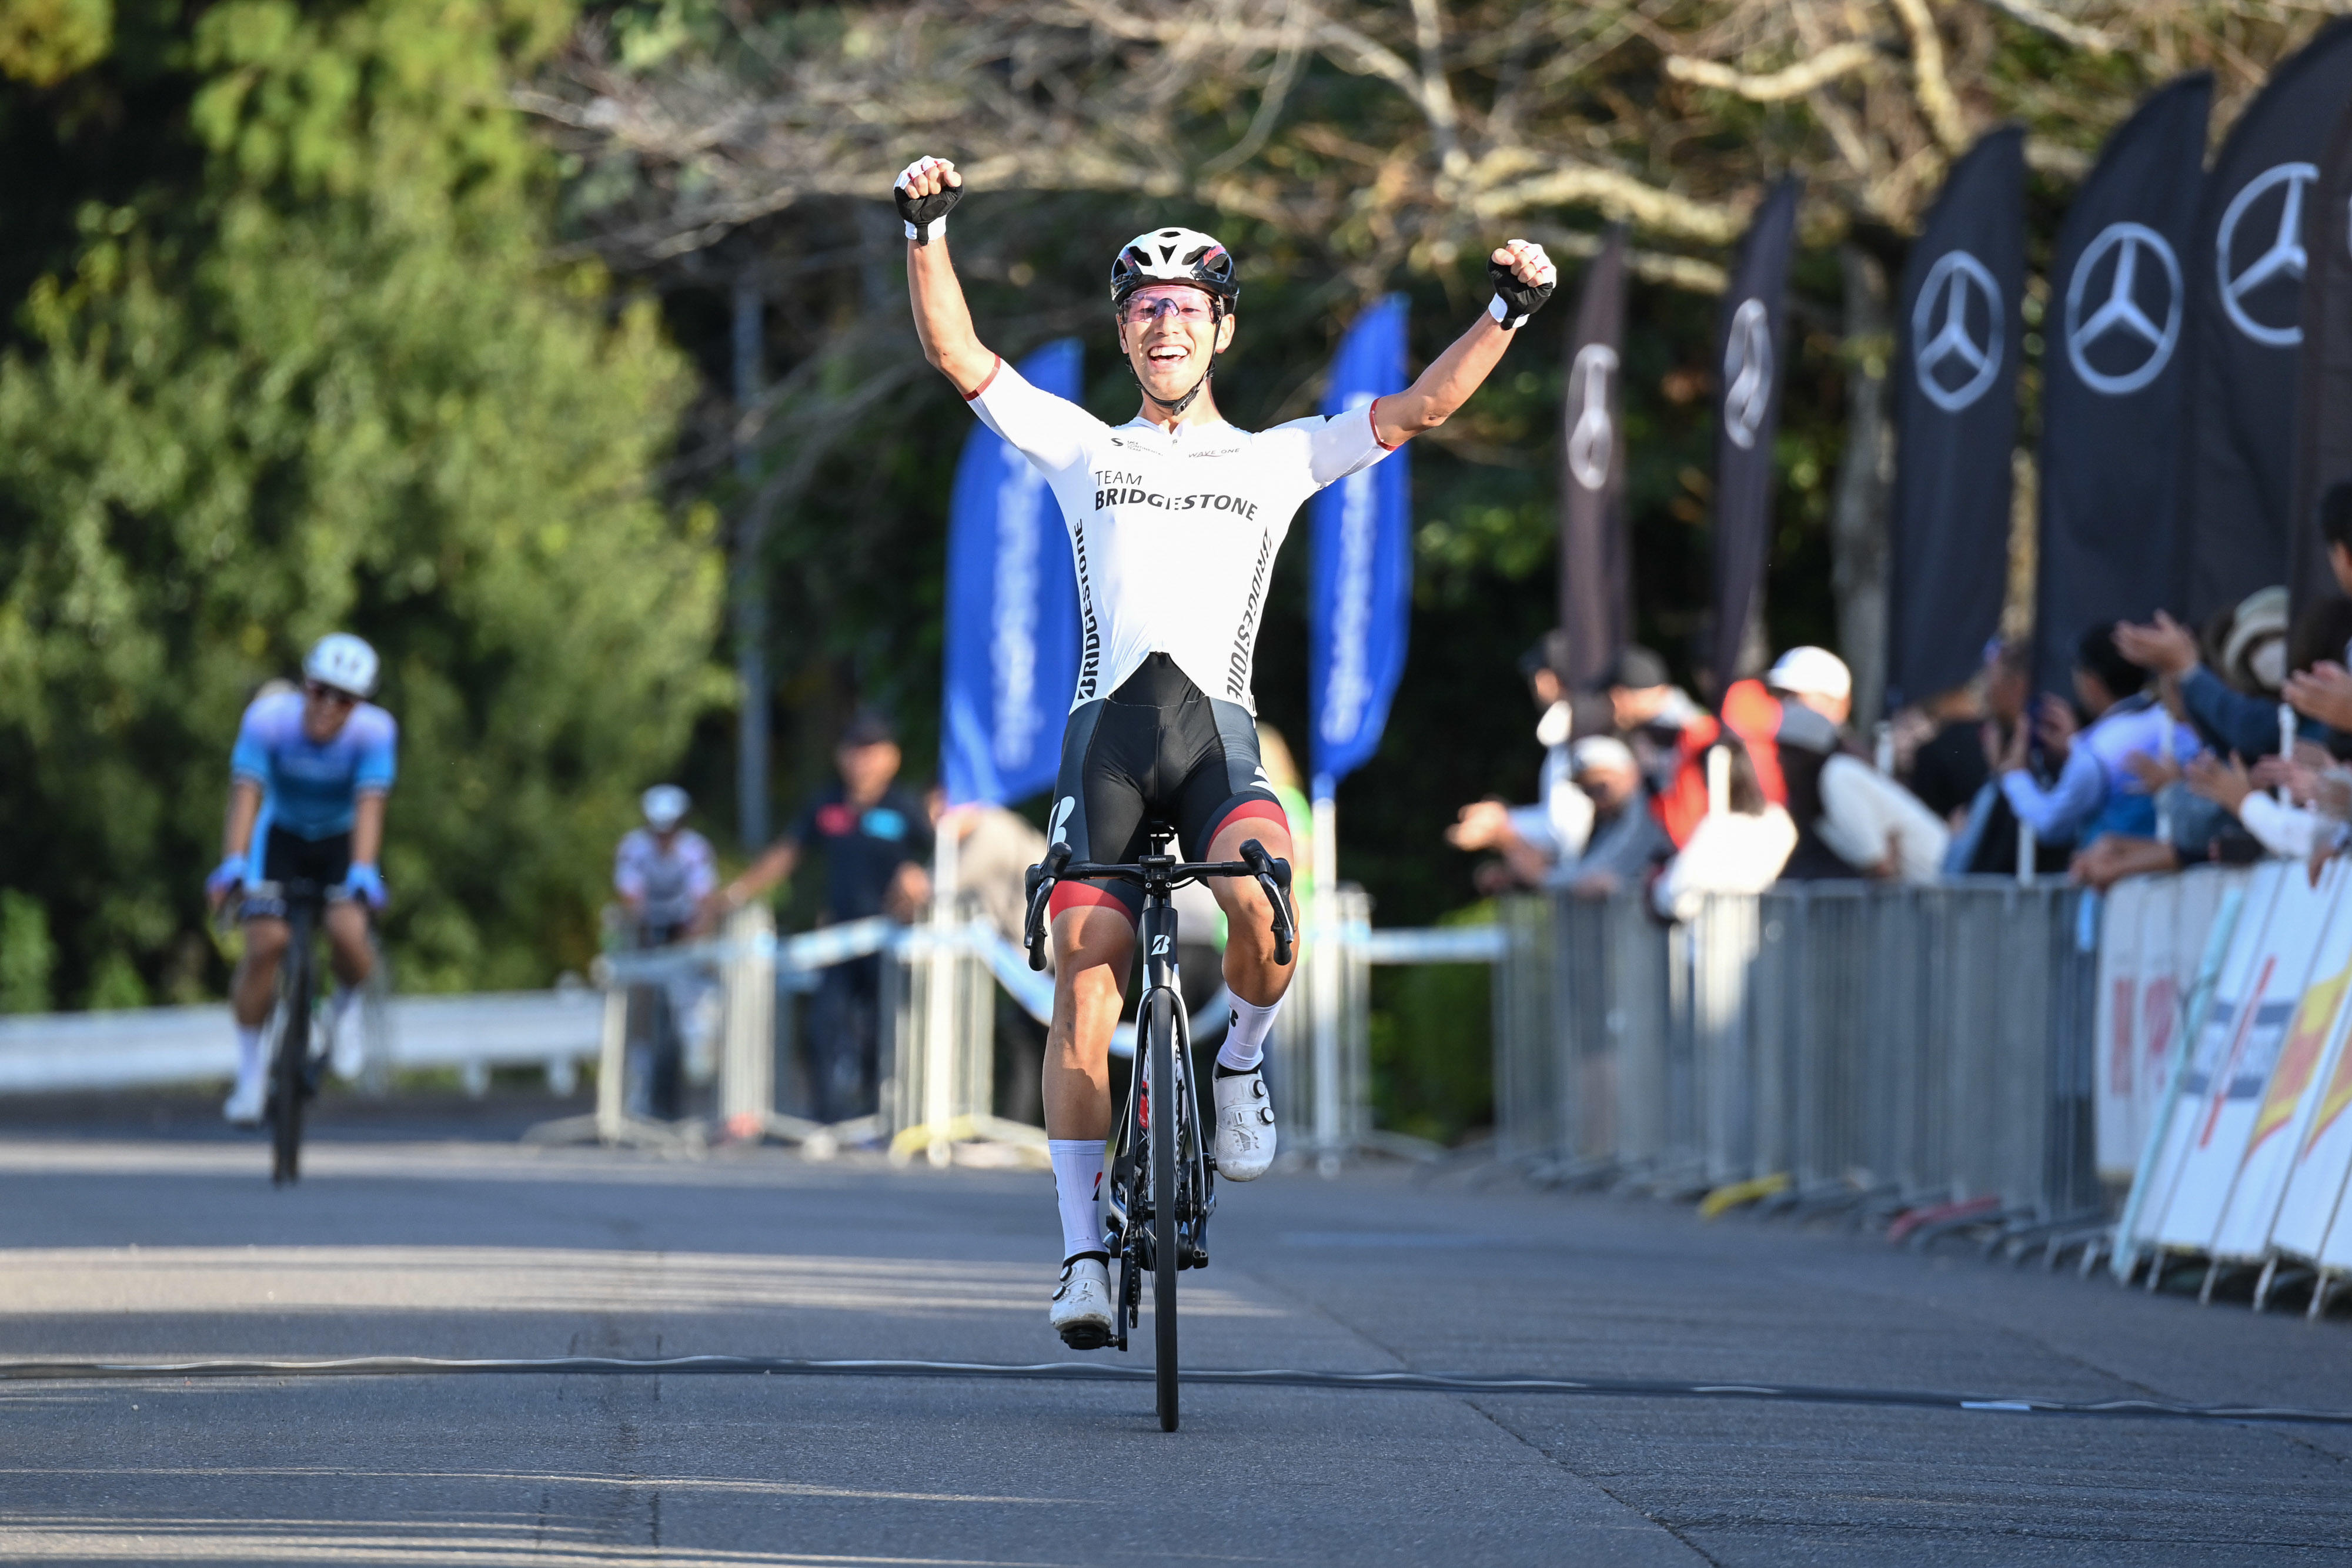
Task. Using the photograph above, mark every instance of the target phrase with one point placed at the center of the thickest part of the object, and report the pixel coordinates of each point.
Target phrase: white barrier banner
(2323, 1158)
(2179, 1124)
(2151, 936)
(2232, 1070)
(2283, 1111)
(2132, 913)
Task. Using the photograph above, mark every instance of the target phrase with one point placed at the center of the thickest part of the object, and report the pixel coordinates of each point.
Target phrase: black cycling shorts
(285, 857)
(1156, 750)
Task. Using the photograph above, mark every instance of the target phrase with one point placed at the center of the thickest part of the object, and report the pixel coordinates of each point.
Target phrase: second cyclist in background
(309, 778)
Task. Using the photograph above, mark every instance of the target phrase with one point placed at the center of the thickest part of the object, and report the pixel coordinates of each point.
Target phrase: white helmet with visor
(343, 662)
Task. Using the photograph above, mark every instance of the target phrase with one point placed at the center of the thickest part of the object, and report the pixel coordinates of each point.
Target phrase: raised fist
(927, 189)
(1524, 278)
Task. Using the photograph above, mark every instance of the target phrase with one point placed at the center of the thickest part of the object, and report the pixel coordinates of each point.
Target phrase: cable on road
(1081, 1371)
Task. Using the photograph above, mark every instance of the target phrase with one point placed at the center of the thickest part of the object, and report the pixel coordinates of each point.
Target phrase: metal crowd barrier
(1831, 1045)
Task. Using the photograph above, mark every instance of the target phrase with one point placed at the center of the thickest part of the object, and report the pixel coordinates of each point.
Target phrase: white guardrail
(558, 1030)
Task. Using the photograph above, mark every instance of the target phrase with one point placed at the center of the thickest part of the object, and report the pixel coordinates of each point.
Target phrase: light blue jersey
(309, 789)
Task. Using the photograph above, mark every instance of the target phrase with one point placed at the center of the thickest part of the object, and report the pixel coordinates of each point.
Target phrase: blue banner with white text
(1012, 613)
(1361, 600)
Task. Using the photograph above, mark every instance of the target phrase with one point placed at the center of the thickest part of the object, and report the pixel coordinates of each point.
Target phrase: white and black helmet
(663, 806)
(1173, 256)
(343, 662)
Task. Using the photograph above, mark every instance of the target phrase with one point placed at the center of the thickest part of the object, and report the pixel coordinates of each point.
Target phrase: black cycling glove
(1515, 301)
(923, 215)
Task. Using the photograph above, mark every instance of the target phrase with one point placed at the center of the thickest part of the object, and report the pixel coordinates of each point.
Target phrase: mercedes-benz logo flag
(2246, 267)
(1747, 414)
(1012, 611)
(2111, 380)
(1961, 338)
(2323, 443)
(1596, 600)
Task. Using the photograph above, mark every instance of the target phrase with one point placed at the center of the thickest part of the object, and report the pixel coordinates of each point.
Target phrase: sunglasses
(1190, 305)
(318, 692)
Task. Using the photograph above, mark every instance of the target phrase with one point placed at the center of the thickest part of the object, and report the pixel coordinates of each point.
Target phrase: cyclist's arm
(1457, 372)
(244, 811)
(943, 318)
(367, 827)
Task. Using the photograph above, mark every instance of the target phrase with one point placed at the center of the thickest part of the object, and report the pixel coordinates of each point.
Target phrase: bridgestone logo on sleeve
(1237, 674)
(1090, 659)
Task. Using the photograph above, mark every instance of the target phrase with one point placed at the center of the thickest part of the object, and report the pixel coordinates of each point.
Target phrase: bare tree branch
(1793, 82)
(2033, 16)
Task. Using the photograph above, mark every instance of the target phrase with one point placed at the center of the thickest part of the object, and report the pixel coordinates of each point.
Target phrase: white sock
(346, 998)
(1244, 1045)
(248, 1055)
(1077, 1174)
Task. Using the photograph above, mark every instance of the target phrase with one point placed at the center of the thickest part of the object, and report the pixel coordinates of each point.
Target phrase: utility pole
(750, 584)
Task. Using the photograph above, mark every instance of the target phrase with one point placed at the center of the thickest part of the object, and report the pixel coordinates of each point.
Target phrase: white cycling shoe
(1082, 1309)
(245, 1102)
(343, 1048)
(1244, 1126)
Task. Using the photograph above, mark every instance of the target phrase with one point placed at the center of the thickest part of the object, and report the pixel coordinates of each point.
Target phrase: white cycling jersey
(1173, 533)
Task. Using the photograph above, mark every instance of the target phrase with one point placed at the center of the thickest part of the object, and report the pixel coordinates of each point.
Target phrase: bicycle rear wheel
(1159, 1015)
(290, 1070)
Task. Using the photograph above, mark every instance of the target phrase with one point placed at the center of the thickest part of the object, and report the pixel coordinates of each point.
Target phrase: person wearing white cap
(666, 874)
(1871, 825)
(1816, 678)
(1626, 840)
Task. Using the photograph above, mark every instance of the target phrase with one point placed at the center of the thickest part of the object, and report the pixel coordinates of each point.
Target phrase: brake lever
(1273, 875)
(1040, 880)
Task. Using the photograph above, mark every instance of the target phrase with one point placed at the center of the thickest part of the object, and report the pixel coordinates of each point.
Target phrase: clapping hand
(2226, 784)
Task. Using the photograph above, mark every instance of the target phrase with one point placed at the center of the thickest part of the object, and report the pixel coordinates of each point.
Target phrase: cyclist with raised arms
(1174, 519)
(309, 779)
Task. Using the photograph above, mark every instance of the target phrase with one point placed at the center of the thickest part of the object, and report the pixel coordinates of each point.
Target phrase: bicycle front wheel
(290, 1070)
(1160, 1018)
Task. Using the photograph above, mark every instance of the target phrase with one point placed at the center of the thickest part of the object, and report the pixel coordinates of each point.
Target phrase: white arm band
(938, 225)
(1501, 311)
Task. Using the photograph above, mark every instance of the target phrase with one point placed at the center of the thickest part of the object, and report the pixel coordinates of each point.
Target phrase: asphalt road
(445, 1240)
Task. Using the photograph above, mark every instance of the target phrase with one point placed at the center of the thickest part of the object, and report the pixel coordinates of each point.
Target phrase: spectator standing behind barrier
(1850, 819)
(876, 837)
(1737, 850)
(665, 874)
(2322, 690)
(2096, 793)
(1625, 842)
(1531, 840)
(2245, 721)
(1985, 843)
(995, 850)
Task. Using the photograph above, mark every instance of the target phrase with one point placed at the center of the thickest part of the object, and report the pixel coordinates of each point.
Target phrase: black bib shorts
(1158, 750)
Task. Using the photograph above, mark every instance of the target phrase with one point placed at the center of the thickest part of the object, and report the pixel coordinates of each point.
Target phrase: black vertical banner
(1754, 326)
(2111, 380)
(1956, 422)
(2245, 322)
(2323, 437)
(1595, 570)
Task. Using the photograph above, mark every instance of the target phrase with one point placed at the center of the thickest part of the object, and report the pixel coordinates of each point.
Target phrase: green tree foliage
(312, 371)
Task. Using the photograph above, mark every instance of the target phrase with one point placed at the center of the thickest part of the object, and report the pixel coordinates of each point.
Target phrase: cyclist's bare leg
(347, 936)
(1093, 946)
(1251, 972)
(256, 986)
(1245, 1132)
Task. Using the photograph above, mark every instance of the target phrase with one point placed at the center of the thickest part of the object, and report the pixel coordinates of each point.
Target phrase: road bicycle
(1162, 1176)
(293, 1071)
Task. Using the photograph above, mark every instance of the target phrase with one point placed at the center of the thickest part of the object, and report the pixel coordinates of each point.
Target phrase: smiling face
(1171, 333)
(325, 711)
